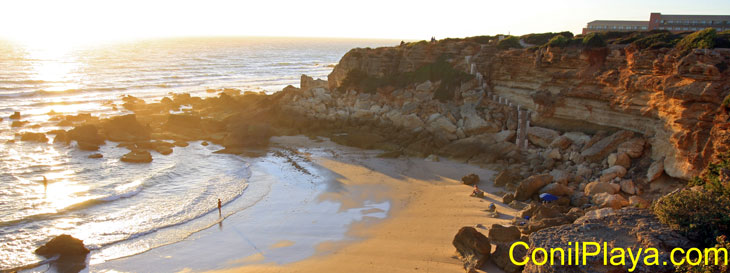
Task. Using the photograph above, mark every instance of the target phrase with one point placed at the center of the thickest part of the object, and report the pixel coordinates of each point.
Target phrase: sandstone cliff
(671, 98)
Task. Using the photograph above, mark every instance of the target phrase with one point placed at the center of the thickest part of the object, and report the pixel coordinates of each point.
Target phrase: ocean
(122, 209)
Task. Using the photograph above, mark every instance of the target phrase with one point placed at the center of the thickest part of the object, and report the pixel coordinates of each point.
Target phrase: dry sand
(429, 205)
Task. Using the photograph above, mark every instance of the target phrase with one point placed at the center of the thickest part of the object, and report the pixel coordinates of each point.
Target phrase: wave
(23, 82)
(75, 207)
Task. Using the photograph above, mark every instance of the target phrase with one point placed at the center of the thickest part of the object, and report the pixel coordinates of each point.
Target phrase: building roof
(619, 23)
(695, 17)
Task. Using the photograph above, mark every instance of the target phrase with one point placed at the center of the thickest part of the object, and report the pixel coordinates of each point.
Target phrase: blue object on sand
(546, 197)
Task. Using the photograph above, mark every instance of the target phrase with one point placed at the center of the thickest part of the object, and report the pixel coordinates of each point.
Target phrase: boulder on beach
(15, 115)
(532, 185)
(505, 234)
(137, 156)
(470, 179)
(64, 245)
(473, 248)
(605, 146)
(506, 177)
(501, 257)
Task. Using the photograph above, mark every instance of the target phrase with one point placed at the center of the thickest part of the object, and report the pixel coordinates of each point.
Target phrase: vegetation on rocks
(544, 38)
(700, 214)
(593, 40)
(701, 39)
(509, 42)
(658, 40)
(558, 41)
(439, 71)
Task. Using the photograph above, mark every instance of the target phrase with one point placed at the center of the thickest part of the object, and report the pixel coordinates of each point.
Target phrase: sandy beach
(429, 205)
(399, 215)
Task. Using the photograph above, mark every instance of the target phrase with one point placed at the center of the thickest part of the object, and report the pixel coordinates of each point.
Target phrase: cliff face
(672, 99)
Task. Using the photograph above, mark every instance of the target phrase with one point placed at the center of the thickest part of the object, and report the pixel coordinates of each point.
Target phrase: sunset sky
(88, 21)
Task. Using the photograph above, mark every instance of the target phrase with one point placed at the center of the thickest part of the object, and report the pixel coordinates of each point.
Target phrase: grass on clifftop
(701, 39)
(438, 71)
(701, 215)
(509, 42)
(544, 38)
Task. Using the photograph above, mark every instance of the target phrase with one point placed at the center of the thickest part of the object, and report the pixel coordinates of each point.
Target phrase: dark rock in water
(88, 134)
(181, 143)
(204, 143)
(137, 156)
(15, 115)
(125, 128)
(187, 125)
(33, 137)
(473, 248)
(95, 156)
(627, 228)
(86, 146)
(470, 179)
(18, 123)
(61, 136)
(164, 150)
(63, 245)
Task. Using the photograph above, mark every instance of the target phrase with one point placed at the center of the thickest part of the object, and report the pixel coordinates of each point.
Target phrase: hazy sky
(57, 21)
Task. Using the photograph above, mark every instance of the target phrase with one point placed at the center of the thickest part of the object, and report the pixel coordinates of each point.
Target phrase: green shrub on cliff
(701, 215)
(659, 40)
(558, 41)
(593, 40)
(701, 39)
(439, 71)
(544, 38)
(509, 42)
(484, 39)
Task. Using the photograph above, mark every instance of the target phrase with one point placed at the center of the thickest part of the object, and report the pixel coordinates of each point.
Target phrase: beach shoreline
(403, 214)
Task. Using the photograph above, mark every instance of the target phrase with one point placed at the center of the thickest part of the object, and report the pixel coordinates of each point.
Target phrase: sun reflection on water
(56, 65)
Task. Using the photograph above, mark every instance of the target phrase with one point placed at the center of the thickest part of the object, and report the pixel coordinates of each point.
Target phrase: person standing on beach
(219, 207)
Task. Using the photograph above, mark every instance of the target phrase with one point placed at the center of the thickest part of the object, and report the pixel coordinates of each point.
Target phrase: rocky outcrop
(532, 185)
(33, 137)
(71, 253)
(63, 245)
(625, 228)
(137, 156)
(473, 248)
(125, 129)
(470, 179)
(671, 98)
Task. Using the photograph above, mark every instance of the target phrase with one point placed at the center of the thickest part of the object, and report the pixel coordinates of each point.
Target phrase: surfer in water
(45, 184)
